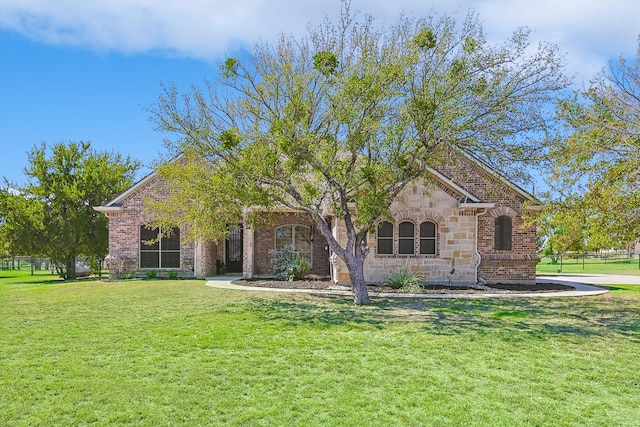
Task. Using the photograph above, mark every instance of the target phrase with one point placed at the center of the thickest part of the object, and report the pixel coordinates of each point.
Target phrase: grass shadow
(325, 313)
(510, 319)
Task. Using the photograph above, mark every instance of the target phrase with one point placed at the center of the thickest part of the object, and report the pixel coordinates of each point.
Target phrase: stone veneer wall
(263, 240)
(457, 231)
(455, 239)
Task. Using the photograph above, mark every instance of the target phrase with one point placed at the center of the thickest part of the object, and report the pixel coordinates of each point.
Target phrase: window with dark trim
(428, 238)
(385, 238)
(406, 238)
(298, 236)
(159, 253)
(503, 228)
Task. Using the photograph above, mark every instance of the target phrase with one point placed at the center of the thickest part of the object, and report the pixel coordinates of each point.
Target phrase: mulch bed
(428, 289)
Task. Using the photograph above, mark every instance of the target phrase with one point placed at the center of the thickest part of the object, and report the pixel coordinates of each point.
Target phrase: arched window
(385, 238)
(428, 238)
(406, 238)
(503, 228)
(298, 236)
(159, 253)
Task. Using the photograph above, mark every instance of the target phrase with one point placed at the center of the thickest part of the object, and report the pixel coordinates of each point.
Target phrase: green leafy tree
(565, 231)
(21, 224)
(597, 165)
(341, 120)
(52, 215)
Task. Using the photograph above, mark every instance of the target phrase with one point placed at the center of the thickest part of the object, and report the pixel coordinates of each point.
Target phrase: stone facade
(455, 258)
(462, 197)
(465, 237)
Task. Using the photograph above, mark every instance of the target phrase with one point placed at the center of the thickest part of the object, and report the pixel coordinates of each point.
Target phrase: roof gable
(115, 205)
(477, 177)
(498, 176)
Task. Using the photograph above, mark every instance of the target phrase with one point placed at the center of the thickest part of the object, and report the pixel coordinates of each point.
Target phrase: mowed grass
(158, 353)
(629, 266)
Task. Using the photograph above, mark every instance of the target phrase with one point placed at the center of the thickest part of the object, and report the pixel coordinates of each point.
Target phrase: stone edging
(581, 290)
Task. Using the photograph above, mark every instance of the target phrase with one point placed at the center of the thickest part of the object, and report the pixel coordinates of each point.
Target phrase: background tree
(52, 215)
(597, 165)
(344, 118)
(21, 224)
(564, 231)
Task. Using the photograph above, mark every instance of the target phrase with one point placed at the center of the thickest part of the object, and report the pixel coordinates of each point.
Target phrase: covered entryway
(233, 250)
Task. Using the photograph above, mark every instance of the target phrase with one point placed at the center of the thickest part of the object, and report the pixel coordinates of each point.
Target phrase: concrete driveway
(592, 279)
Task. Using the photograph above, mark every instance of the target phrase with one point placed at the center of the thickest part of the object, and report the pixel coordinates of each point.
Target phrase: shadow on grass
(48, 279)
(511, 319)
(35, 282)
(326, 313)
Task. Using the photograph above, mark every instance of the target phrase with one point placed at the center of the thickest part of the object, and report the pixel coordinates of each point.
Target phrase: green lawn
(627, 266)
(158, 353)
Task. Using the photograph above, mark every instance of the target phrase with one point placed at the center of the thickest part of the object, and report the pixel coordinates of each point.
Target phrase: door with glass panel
(233, 250)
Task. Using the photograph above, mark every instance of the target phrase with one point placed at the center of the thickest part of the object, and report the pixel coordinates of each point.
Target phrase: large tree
(52, 215)
(596, 163)
(344, 118)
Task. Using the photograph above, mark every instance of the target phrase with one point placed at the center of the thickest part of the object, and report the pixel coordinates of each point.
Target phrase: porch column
(248, 252)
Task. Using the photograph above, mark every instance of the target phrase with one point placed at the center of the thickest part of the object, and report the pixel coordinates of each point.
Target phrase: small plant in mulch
(403, 279)
(288, 264)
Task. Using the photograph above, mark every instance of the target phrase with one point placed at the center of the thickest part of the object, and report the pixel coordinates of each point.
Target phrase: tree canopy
(344, 118)
(596, 163)
(52, 215)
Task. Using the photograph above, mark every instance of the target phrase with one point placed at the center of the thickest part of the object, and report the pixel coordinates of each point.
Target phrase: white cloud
(590, 31)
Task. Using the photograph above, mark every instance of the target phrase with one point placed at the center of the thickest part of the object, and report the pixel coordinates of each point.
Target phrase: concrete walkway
(581, 289)
(593, 279)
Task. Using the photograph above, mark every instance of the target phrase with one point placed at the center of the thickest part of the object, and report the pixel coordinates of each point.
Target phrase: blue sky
(86, 70)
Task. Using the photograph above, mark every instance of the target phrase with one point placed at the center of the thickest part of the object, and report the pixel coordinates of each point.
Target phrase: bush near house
(289, 264)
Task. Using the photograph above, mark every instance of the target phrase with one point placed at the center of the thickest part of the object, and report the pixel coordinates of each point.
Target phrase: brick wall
(207, 254)
(423, 199)
(264, 241)
(518, 264)
(124, 235)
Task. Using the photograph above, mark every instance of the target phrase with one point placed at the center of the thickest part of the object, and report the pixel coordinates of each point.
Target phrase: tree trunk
(358, 285)
(355, 265)
(353, 255)
(71, 267)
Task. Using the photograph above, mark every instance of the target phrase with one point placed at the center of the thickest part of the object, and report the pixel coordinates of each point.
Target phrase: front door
(233, 250)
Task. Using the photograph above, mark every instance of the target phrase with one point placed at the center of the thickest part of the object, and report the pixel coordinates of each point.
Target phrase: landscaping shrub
(404, 279)
(94, 265)
(288, 263)
(151, 274)
(173, 275)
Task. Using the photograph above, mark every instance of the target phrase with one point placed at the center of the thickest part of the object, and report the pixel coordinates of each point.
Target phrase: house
(460, 223)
